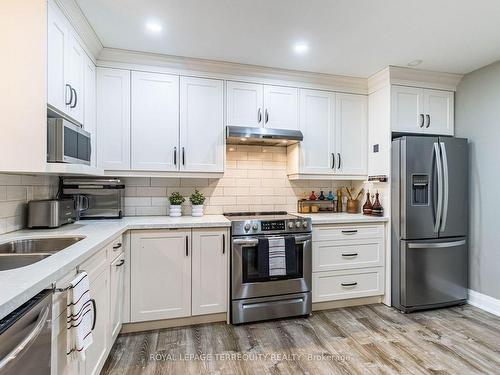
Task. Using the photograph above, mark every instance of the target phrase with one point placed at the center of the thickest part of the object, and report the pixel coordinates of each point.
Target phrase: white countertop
(342, 218)
(21, 284)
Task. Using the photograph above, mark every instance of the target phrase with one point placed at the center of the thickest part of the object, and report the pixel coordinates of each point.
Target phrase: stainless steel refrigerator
(429, 184)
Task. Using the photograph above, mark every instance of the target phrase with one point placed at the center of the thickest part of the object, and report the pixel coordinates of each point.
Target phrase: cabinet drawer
(337, 285)
(347, 232)
(96, 264)
(335, 255)
(115, 248)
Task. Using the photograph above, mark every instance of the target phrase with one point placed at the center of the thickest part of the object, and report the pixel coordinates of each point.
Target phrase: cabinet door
(160, 277)
(155, 121)
(202, 125)
(96, 354)
(244, 103)
(317, 109)
(407, 109)
(438, 106)
(76, 60)
(57, 54)
(89, 105)
(280, 107)
(113, 119)
(351, 133)
(117, 279)
(210, 272)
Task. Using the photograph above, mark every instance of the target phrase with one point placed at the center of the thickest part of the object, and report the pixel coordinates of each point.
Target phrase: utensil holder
(352, 206)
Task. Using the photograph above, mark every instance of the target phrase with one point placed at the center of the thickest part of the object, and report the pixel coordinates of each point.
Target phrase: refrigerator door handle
(435, 245)
(439, 169)
(446, 186)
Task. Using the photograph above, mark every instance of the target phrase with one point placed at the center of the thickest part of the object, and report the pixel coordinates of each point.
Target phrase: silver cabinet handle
(354, 283)
(350, 255)
(422, 120)
(428, 117)
(122, 262)
(35, 332)
(439, 169)
(259, 116)
(436, 245)
(68, 86)
(267, 116)
(340, 160)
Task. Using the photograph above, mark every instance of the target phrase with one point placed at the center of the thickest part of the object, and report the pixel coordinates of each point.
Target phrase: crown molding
(379, 80)
(117, 58)
(77, 19)
(424, 78)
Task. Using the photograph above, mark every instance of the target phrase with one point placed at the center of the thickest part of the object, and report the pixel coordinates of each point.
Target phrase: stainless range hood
(262, 136)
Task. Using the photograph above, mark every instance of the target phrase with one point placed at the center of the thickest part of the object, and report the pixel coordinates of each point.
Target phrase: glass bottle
(377, 209)
(367, 207)
(313, 197)
(321, 196)
(330, 196)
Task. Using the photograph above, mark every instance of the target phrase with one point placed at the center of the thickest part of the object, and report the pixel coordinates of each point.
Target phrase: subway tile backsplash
(255, 180)
(16, 191)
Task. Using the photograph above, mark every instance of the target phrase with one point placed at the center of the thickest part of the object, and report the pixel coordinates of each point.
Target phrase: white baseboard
(484, 302)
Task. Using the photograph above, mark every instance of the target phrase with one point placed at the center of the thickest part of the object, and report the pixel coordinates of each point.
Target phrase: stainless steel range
(259, 296)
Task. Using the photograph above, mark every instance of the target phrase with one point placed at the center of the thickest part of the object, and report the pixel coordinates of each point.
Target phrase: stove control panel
(266, 226)
(275, 226)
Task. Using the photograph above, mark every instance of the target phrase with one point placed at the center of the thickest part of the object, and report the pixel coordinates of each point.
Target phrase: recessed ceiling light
(154, 27)
(243, 139)
(415, 62)
(300, 48)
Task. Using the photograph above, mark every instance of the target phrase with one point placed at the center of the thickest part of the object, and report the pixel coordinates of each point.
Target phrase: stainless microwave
(67, 142)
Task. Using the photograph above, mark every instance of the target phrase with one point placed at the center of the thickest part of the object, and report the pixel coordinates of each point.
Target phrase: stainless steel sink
(20, 253)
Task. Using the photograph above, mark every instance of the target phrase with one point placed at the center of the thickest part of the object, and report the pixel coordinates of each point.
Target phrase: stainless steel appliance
(96, 198)
(51, 213)
(25, 337)
(67, 142)
(254, 298)
(262, 136)
(429, 222)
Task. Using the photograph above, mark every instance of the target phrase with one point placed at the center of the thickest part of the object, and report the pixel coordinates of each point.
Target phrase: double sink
(23, 252)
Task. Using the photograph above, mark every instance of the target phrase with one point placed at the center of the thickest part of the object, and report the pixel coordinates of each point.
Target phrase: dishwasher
(25, 337)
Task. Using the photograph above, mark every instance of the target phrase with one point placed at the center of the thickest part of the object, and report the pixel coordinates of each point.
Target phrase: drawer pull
(122, 262)
(117, 246)
(349, 284)
(350, 231)
(350, 255)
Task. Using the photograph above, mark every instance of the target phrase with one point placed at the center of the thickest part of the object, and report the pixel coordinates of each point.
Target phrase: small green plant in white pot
(197, 199)
(176, 199)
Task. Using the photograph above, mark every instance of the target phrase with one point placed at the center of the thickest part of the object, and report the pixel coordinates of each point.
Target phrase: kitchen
(227, 211)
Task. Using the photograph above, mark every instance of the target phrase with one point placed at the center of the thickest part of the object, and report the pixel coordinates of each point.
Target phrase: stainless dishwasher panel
(25, 337)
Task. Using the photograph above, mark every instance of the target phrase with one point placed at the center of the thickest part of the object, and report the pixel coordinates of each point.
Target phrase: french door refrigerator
(429, 184)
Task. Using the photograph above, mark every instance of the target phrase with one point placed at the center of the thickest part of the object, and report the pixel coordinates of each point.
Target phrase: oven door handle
(254, 241)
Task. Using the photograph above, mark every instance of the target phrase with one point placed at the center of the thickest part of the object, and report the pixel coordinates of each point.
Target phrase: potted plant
(176, 199)
(197, 199)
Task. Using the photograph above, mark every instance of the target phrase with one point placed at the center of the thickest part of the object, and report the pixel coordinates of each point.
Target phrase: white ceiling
(349, 37)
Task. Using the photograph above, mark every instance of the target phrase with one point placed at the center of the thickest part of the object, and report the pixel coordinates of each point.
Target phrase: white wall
(477, 106)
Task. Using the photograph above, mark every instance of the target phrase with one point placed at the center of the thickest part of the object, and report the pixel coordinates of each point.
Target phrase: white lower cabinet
(209, 271)
(348, 261)
(117, 280)
(160, 274)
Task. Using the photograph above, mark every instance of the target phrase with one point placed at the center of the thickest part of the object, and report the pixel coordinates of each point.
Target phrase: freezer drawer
(433, 272)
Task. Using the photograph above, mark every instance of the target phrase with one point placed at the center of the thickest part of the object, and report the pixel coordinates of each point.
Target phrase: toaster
(51, 213)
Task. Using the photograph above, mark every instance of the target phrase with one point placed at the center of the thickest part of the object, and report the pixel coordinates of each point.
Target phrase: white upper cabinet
(89, 105)
(422, 111)
(77, 58)
(280, 107)
(210, 271)
(317, 110)
(154, 122)
(256, 105)
(351, 133)
(201, 125)
(244, 104)
(160, 274)
(57, 53)
(113, 119)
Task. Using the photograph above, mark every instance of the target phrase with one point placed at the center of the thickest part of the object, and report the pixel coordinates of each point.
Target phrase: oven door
(245, 280)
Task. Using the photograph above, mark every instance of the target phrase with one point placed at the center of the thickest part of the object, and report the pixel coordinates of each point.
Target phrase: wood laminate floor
(373, 339)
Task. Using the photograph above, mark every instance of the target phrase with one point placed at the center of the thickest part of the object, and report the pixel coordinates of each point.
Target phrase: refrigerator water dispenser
(420, 190)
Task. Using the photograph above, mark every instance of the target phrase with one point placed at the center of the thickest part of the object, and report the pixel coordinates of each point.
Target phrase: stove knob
(304, 224)
(297, 224)
(290, 225)
(247, 227)
(255, 227)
